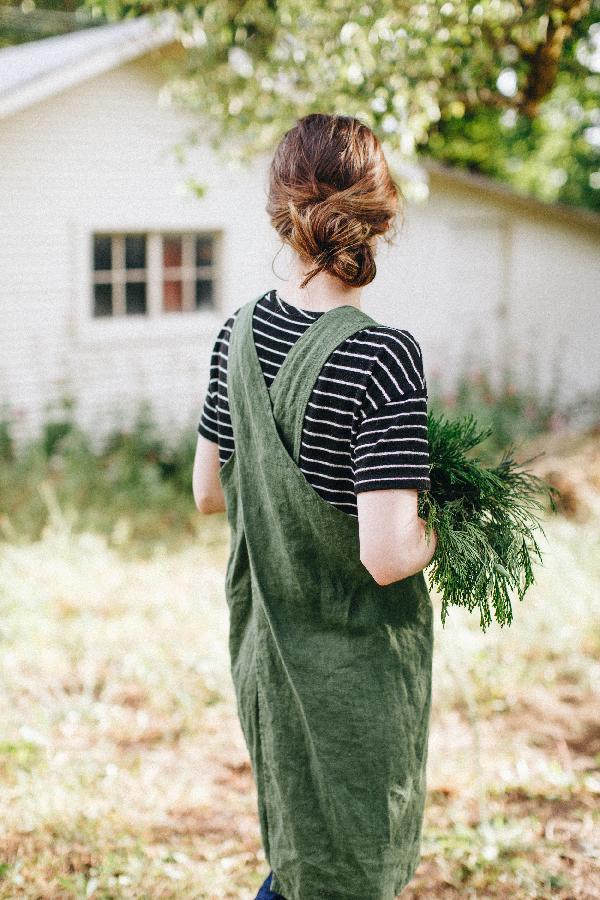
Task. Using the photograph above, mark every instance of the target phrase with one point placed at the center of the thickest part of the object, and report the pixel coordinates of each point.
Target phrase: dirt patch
(571, 463)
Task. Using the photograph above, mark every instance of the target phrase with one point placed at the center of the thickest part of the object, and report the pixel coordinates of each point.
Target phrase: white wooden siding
(97, 157)
(473, 277)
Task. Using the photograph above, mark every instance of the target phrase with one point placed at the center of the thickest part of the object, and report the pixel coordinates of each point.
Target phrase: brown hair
(330, 194)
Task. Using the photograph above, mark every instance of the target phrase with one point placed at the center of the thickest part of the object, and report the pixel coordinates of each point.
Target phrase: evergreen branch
(485, 517)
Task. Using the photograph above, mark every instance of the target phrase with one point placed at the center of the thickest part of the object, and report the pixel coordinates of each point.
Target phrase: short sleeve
(208, 424)
(209, 420)
(391, 447)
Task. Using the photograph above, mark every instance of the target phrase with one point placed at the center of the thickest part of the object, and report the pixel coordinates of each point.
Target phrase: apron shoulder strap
(295, 379)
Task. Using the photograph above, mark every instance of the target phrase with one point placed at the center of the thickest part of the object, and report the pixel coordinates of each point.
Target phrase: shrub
(513, 411)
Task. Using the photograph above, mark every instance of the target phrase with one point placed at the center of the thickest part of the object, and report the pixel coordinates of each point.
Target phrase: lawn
(123, 770)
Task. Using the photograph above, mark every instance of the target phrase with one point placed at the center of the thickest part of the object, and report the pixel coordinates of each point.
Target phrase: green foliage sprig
(485, 518)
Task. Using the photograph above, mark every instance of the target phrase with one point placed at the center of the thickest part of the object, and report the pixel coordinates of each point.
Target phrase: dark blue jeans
(265, 892)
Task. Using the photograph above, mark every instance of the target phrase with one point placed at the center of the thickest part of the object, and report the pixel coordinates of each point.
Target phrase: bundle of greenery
(485, 517)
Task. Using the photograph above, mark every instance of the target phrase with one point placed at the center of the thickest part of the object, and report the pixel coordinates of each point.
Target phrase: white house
(115, 281)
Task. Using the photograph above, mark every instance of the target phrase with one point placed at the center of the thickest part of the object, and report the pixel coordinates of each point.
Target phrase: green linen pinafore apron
(332, 672)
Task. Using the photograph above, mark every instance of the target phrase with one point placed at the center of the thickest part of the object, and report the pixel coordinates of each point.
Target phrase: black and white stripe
(365, 426)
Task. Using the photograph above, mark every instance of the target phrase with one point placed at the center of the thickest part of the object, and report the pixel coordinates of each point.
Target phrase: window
(187, 272)
(153, 273)
(120, 274)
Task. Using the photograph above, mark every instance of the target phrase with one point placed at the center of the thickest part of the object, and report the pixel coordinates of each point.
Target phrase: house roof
(35, 70)
(506, 195)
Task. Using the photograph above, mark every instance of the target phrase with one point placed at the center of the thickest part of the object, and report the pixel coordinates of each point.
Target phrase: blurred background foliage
(510, 89)
(31, 21)
(134, 487)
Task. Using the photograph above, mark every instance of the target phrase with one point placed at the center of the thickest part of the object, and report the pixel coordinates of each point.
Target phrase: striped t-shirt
(365, 425)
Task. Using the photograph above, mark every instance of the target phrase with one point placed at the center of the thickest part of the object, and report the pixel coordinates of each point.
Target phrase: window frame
(188, 272)
(154, 274)
(118, 275)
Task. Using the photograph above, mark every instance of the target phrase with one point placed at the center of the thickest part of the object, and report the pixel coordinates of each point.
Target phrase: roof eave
(161, 31)
(473, 181)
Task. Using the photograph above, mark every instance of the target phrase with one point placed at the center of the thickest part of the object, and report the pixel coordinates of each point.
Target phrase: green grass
(134, 486)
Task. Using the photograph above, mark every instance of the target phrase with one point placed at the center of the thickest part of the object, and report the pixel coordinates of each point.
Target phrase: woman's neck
(322, 292)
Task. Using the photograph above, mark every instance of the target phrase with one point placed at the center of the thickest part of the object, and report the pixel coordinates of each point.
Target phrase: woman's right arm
(392, 537)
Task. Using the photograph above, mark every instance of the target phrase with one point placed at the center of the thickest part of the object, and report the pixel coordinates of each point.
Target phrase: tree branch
(545, 58)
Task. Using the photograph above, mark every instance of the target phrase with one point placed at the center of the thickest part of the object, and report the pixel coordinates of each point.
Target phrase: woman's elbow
(207, 503)
(381, 572)
(387, 567)
(203, 505)
(383, 578)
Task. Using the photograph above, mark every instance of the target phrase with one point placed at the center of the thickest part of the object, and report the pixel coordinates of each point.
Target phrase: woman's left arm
(206, 486)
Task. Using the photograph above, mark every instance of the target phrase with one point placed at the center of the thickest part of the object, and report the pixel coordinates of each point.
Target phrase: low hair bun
(331, 194)
(333, 240)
